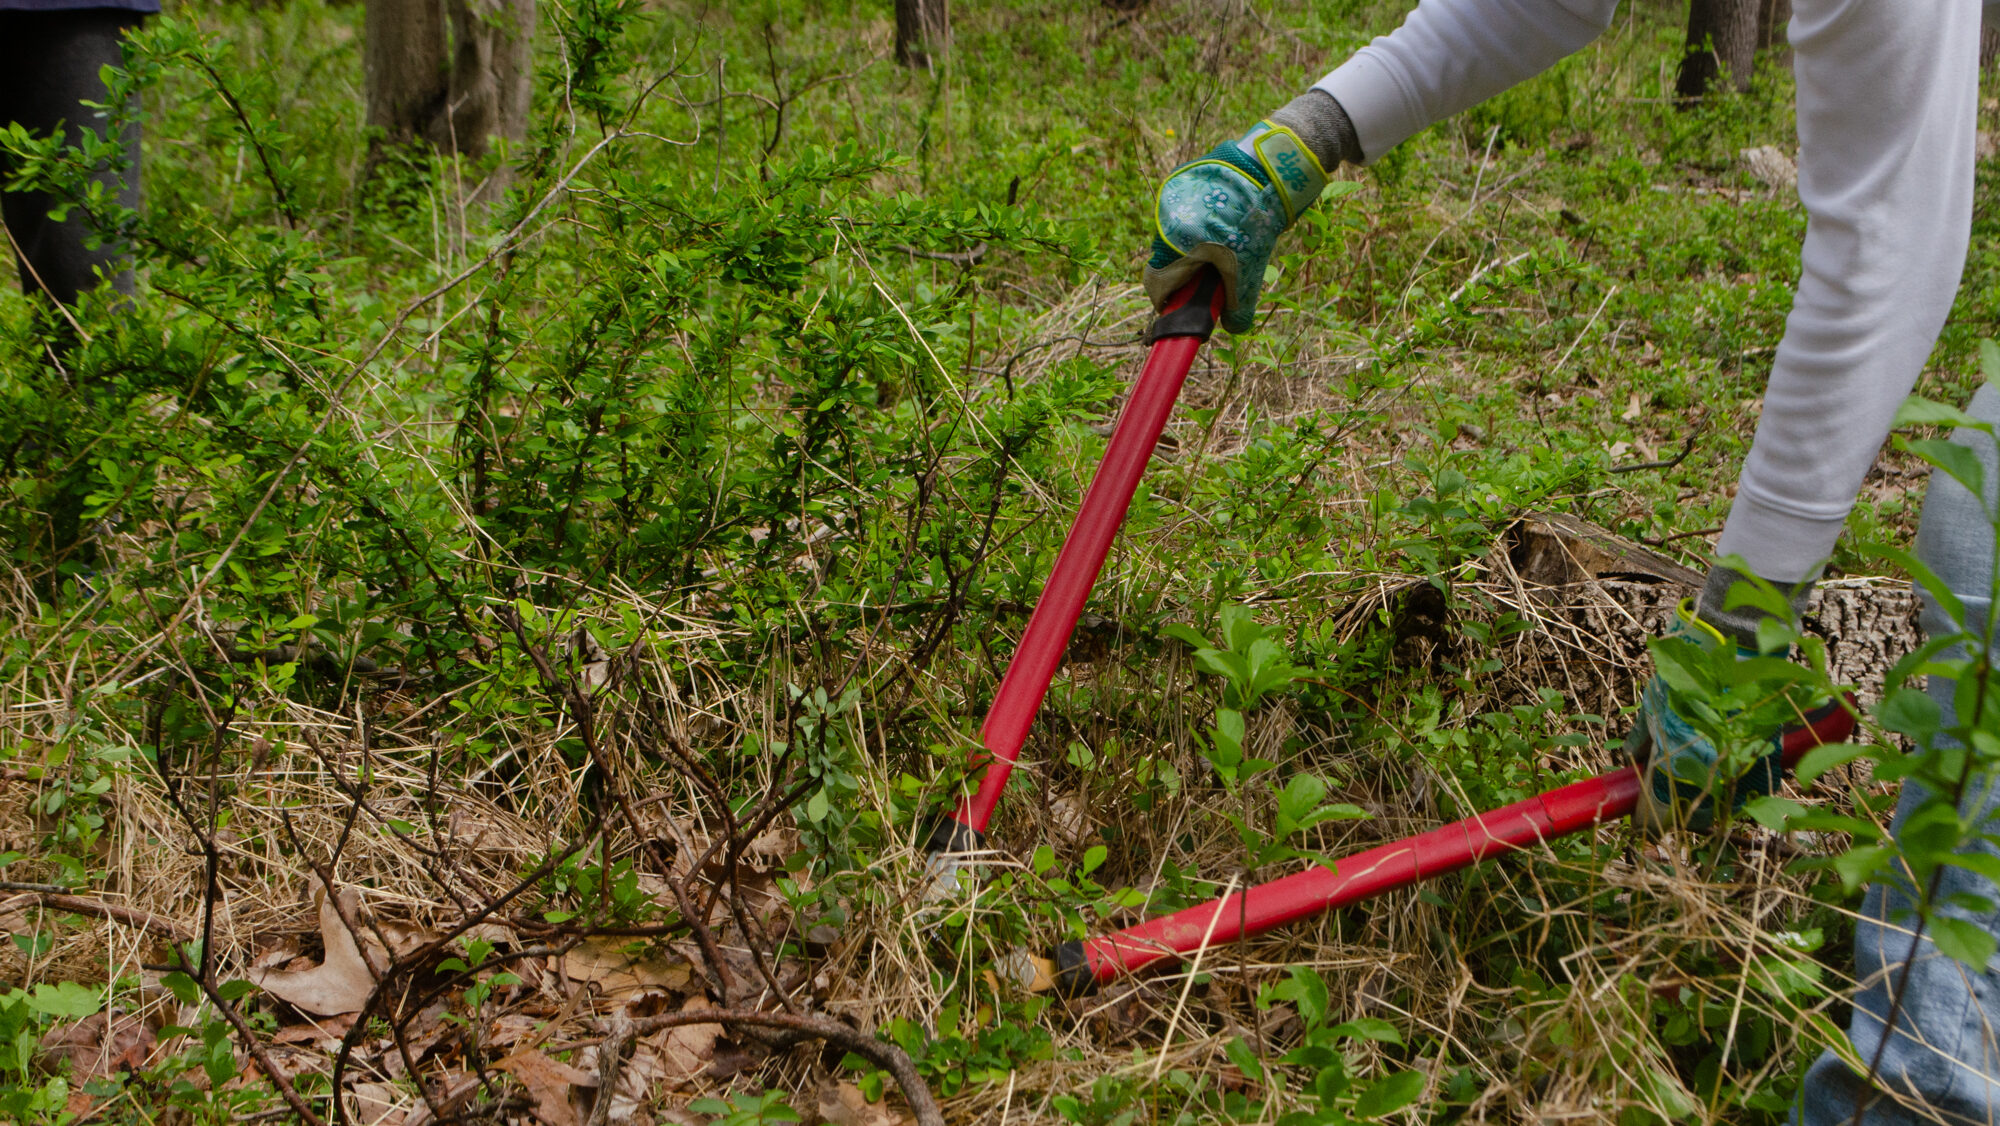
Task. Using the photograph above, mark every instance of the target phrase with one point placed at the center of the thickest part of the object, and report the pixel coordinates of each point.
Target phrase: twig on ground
(610, 1061)
(60, 899)
(888, 1057)
(1662, 541)
(1687, 448)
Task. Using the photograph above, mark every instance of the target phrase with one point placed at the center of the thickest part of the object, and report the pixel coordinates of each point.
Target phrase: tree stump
(1596, 597)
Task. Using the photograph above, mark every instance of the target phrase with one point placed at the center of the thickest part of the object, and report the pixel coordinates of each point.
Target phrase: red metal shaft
(1034, 664)
(1386, 867)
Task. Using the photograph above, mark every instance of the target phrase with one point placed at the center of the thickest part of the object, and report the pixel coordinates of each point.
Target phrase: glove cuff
(1323, 125)
(1294, 173)
(1741, 622)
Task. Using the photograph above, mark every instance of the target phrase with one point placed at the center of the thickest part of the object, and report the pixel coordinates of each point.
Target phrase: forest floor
(522, 626)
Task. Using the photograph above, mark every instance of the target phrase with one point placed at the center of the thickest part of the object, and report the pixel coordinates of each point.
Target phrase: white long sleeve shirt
(1887, 104)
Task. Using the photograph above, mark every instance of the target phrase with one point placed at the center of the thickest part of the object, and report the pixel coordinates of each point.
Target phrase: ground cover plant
(485, 639)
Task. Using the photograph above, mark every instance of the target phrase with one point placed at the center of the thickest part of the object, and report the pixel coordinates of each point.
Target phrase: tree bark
(453, 73)
(1774, 18)
(1721, 40)
(923, 31)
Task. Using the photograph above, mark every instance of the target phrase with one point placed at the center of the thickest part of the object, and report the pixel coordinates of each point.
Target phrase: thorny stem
(578, 704)
(248, 1038)
(423, 954)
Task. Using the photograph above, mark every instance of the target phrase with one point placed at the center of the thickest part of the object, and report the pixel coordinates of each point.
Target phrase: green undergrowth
(750, 400)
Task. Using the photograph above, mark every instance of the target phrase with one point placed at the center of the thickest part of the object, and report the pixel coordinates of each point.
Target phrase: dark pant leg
(49, 64)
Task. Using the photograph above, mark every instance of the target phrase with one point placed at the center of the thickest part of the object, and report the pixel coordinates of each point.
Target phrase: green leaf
(1306, 990)
(1240, 628)
(817, 807)
(1186, 635)
(1958, 461)
(1239, 1053)
(1984, 863)
(1368, 1028)
(1907, 711)
(1297, 801)
(1683, 665)
(1229, 722)
(1339, 811)
(1946, 598)
(1755, 592)
(182, 987)
(1989, 359)
(1967, 942)
(64, 999)
(1825, 757)
(1043, 860)
(1772, 811)
(1093, 858)
(1229, 666)
(1858, 865)
(1919, 411)
(1386, 1096)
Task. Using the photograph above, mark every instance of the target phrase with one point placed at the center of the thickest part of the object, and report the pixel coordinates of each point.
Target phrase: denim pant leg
(1941, 1062)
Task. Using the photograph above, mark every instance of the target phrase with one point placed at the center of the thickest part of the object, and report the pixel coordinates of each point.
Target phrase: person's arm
(1227, 209)
(1450, 55)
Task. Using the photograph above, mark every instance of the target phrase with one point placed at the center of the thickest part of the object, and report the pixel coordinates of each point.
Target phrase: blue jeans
(1941, 1062)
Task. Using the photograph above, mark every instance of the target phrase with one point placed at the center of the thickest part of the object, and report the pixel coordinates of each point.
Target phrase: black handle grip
(1191, 311)
(1073, 975)
(951, 835)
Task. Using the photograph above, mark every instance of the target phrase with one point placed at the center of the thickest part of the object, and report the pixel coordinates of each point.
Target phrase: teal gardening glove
(1684, 779)
(1227, 210)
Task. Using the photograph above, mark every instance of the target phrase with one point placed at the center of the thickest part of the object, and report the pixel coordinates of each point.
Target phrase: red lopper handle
(1386, 867)
(1177, 335)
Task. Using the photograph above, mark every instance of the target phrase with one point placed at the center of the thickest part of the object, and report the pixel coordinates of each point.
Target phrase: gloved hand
(1703, 686)
(1227, 210)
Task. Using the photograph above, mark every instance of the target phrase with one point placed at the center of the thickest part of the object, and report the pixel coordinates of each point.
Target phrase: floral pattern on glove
(1211, 201)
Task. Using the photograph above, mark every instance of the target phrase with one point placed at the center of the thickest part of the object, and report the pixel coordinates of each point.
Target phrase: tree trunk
(1989, 47)
(1774, 18)
(1721, 39)
(454, 73)
(923, 30)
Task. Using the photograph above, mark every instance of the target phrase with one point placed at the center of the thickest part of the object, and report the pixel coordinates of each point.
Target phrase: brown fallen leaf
(341, 982)
(509, 1029)
(604, 963)
(686, 1052)
(449, 1094)
(549, 1083)
(843, 1104)
(406, 938)
(773, 845)
(95, 1047)
(316, 1031)
(376, 1104)
(281, 950)
(422, 1033)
